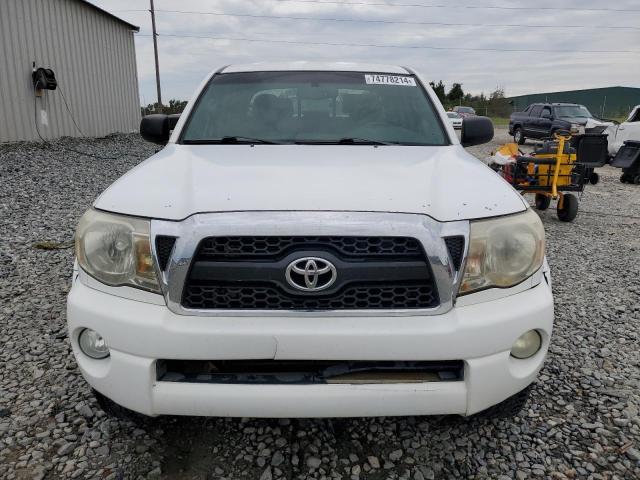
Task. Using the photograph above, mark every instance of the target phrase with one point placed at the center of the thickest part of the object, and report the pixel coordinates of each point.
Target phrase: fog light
(527, 345)
(92, 344)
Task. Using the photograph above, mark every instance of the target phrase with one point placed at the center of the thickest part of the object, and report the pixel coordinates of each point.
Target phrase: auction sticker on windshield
(389, 80)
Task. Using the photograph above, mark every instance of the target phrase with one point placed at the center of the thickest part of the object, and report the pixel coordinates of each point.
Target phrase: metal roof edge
(133, 27)
(572, 91)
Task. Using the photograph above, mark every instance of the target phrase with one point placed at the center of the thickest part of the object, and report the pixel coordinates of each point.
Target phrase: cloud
(185, 61)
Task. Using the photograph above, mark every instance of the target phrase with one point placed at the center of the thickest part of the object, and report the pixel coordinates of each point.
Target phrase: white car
(455, 119)
(627, 130)
(312, 241)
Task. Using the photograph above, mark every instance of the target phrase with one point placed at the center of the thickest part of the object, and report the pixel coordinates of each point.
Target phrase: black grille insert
(307, 371)
(237, 247)
(164, 247)
(248, 273)
(359, 297)
(455, 245)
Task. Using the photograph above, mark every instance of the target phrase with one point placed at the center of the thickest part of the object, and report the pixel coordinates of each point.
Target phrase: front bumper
(139, 333)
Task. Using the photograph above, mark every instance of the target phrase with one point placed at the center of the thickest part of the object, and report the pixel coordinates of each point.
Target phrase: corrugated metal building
(603, 102)
(92, 54)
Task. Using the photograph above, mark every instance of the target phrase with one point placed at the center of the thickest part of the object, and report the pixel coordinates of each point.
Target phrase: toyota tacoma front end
(313, 241)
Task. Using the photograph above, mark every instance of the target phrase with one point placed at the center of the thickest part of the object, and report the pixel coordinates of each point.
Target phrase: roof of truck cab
(314, 66)
(559, 104)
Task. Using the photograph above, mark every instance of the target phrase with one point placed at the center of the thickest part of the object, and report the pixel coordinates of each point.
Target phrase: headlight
(115, 249)
(503, 251)
(577, 128)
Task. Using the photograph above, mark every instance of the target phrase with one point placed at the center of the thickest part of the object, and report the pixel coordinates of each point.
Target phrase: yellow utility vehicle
(556, 170)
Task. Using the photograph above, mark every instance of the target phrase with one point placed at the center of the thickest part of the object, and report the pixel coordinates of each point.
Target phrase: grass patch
(499, 121)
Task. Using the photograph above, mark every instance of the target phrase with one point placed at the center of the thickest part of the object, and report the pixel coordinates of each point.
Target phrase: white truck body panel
(445, 183)
(480, 334)
(627, 130)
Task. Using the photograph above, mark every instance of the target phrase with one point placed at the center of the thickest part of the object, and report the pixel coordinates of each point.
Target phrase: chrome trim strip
(457, 229)
(192, 230)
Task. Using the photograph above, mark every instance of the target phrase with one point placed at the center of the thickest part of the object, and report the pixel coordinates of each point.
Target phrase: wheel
(508, 408)
(594, 178)
(518, 136)
(569, 210)
(112, 409)
(542, 201)
(624, 178)
(636, 179)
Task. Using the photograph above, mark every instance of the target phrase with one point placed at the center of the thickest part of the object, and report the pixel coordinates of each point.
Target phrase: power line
(371, 45)
(444, 6)
(392, 22)
(475, 7)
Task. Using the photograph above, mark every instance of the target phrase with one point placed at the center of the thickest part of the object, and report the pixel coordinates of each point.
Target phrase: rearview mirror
(476, 130)
(157, 127)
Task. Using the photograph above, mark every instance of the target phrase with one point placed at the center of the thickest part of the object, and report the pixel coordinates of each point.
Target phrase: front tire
(569, 210)
(594, 178)
(518, 136)
(542, 201)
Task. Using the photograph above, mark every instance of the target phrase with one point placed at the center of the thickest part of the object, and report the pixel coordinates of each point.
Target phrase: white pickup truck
(627, 130)
(312, 241)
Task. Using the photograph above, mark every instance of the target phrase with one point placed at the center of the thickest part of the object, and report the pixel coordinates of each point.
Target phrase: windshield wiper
(233, 140)
(361, 141)
(236, 139)
(345, 141)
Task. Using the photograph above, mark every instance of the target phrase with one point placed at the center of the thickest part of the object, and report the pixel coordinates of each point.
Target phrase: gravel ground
(582, 420)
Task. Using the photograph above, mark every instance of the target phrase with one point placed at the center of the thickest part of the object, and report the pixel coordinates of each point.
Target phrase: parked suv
(542, 120)
(312, 241)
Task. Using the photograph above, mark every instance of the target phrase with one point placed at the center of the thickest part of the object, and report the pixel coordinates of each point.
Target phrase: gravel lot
(582, 421)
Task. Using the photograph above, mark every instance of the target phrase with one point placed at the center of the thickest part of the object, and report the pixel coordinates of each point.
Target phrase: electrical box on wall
(43, 79)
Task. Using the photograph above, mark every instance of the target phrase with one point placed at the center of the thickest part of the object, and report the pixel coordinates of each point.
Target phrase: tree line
(493, 105)
(174, 106)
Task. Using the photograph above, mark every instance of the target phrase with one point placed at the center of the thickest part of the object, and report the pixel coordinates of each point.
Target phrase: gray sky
(185, 61)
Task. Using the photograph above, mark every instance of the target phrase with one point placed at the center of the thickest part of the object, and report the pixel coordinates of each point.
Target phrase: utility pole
(155, 51)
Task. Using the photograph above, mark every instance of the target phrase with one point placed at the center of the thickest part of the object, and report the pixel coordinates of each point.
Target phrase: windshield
(466, 110)
(453, 115)
(316, 108)
(573, 111)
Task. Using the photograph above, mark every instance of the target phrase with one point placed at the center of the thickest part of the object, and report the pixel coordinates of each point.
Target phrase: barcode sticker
(389, 80)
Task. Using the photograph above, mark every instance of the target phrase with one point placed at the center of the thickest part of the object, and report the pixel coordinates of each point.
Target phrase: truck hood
(587, 122)
(445, 183)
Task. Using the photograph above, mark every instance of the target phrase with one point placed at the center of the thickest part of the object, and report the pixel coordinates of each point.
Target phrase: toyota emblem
(311, 274)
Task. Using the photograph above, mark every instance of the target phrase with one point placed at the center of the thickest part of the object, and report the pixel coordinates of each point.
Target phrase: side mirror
(476, 130)
(157, 127)
(173, 119)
